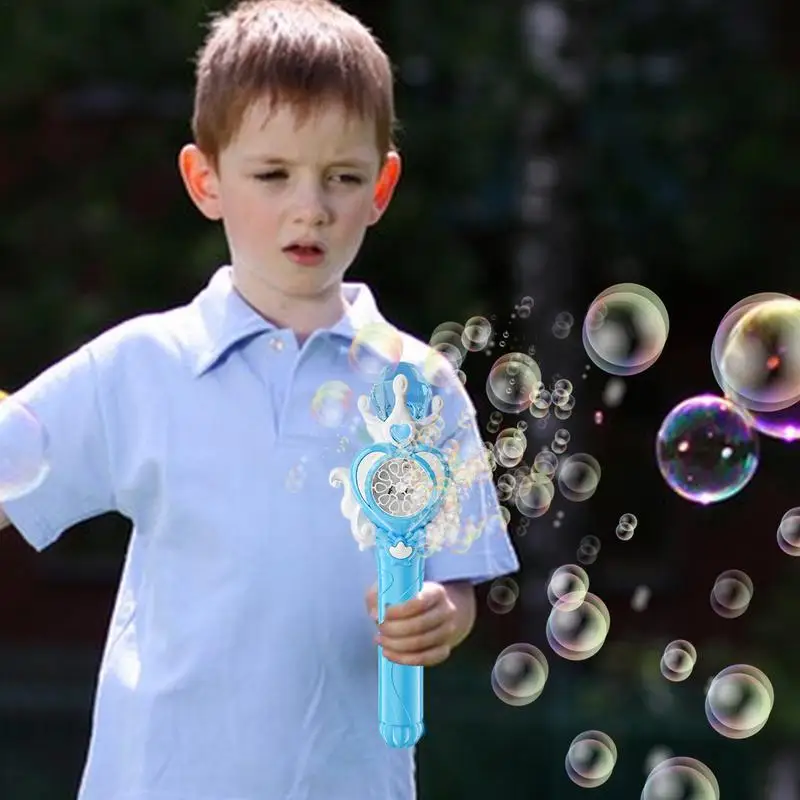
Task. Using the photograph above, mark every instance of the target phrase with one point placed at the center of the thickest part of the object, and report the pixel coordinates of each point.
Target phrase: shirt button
(276, 343)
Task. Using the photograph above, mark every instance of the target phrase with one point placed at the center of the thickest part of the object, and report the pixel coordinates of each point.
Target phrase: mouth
(306, 254)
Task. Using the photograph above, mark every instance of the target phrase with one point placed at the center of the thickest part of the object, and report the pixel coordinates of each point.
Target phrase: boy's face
(278, 183)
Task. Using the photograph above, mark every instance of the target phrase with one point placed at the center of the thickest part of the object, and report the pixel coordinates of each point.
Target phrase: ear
(201, 181)
(384, 188)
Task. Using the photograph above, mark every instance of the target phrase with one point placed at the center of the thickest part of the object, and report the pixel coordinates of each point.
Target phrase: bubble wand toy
(392, 490)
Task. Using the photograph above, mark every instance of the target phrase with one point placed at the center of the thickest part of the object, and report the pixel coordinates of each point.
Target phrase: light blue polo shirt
(240, 662)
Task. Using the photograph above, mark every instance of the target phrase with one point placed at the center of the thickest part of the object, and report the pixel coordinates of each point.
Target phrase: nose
(311, 208)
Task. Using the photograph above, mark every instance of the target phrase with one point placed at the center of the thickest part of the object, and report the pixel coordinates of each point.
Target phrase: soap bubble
(503, 595)
(545, 463)
(590, 759)
(578, 633)
(624, 531)
(756, 361)
(331, 402)
(707, 449)
(24, 452)
(563, 385)
(783, 424)
(731, 594)
(512, 382)
(438, 368)
(789, 532)
(681, 778)
(567, 587)
(510, 447)
(678, 660)
(477, 333)
(579, 477)
(756, 353)
(590, 543)
(375, 346)
(534, 495)
(739, 701)
(625, 329)
(519, 674)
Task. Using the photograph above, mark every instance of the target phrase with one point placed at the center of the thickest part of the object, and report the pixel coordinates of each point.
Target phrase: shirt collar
(225, 319)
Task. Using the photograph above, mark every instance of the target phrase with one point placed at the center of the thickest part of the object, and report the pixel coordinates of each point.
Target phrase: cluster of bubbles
(626, 526)
(707, 450)
(559, 400)
(24, 450)
(523, 308)
(707, 447)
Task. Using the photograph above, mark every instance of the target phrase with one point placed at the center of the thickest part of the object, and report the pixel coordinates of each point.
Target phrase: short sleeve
(64, 402)
(483, 550)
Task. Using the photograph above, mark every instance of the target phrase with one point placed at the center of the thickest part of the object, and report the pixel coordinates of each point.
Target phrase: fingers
(428, 658)
(410, 631)
(418, 642)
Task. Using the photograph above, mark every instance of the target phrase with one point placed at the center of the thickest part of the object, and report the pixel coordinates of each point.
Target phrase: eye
(272, 175)
(354, 179)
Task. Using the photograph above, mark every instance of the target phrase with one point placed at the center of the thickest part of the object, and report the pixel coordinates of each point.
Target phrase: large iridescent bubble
(756, 361)
(707, 449)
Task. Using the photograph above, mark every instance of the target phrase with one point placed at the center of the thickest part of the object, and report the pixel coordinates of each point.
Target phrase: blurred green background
(551, 149)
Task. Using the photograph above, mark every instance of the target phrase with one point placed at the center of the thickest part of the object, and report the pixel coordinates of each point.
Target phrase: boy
(241, 662)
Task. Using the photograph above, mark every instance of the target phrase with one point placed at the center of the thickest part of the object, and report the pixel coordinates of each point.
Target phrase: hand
(420, 632)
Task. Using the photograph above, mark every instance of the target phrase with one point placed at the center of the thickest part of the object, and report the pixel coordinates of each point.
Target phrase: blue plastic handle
(399, 685)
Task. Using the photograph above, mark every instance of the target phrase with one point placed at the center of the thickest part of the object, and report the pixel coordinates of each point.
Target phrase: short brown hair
(301, 52)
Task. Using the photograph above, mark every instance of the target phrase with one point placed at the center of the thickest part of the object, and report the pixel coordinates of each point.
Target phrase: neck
(301, 314)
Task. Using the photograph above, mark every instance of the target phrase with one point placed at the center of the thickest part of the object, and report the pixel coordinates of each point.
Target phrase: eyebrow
(344, 162)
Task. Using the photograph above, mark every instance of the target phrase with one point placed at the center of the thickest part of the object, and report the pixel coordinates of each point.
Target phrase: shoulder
(148, 339)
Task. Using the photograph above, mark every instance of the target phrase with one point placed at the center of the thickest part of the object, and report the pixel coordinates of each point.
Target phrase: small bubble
(731, 594)
(590, 759)
(678, 660)
(519, 674)
(579, 633)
